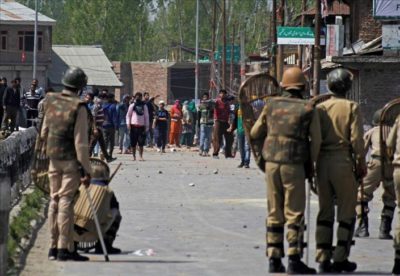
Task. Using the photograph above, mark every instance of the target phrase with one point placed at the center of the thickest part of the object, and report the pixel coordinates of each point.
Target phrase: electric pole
(317, 48)
(280, 47)
(35, 41)
(301, 47)
(224, 44)
(196, 87)
(274, 40)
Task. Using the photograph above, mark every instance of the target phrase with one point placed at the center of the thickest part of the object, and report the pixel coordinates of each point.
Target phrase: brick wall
(150, 77)
(123, 70)
(367, 27)
(377, 86)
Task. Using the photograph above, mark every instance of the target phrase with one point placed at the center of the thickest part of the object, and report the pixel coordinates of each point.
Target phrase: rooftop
(91, 59)
(12, 12)
(335, 7)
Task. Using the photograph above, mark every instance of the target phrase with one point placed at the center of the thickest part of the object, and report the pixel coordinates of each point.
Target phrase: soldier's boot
(396, 267)
(385, 228)
(276, 266)
(345, 266)
(296, 266)
(110, 249)
(325, 267)
(362, 229)
(65, 255)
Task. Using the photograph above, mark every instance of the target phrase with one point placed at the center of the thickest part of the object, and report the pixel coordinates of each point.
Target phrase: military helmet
(100, 170)
(293, 79)
(75, 77)
(377, 117)
(339, 81)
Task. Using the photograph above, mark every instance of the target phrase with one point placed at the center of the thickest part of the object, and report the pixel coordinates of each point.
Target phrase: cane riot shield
(253, 94)
(40, 166)
(390, 112)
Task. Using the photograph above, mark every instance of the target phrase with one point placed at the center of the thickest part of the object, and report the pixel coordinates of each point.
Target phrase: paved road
(215, 227)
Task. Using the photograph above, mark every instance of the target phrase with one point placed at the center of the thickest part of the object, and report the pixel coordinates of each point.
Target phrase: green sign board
(236, 53)
(295, 36)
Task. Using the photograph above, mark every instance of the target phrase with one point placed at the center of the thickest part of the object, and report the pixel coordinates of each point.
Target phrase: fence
(16, 153)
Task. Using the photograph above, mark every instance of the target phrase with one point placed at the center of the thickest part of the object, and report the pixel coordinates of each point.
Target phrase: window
(26, 41)
(3, 40)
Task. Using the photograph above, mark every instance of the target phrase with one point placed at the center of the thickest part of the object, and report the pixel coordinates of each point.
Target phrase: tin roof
(15, 13)
(91, 59)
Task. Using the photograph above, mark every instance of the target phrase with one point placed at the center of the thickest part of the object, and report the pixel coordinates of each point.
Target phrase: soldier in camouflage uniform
(372, 181)
(288, 124)
(393, 144)
(342, 152)
(65, 130)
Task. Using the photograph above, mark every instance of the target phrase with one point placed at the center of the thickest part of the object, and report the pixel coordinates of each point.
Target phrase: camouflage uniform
(66, 128)
(342, 146)
(371, 182)
(287, 125)
(393, 144)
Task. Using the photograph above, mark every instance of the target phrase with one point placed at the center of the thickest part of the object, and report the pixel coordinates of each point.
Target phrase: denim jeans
(244, 148)
(205, 137)
(124, 140)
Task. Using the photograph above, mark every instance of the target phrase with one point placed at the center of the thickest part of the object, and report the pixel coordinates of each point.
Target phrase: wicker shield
(390, 112)
(253, 94)
(40, 166)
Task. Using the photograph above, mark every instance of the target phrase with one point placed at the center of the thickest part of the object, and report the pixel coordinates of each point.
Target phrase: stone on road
(216, 227)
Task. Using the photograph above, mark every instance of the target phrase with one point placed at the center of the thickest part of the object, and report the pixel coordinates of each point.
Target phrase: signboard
(297, 36)
(386, 9)
(391, 37)
(236, 53)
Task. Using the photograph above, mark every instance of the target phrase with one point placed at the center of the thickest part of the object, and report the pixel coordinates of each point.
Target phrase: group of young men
(19, 107)
(306, 140)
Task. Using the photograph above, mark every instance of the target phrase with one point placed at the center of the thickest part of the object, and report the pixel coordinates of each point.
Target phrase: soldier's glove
(85, 180)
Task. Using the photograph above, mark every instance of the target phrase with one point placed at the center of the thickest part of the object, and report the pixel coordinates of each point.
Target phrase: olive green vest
(61, 113)
(288, 122)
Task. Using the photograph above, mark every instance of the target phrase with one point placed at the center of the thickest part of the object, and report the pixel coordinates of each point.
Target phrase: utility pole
(35, 41)
(196, 85)
(212, 58)
(224, 44)
(232, 57)
(301, 47)
(280, 47)
(317, 48)
(242, 57)
(274, 40)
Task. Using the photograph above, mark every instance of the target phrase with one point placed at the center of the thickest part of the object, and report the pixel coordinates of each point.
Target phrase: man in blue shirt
(124, 140)
(110, 123)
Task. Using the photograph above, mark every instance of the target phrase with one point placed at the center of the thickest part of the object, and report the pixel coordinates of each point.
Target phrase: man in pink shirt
(137, 121)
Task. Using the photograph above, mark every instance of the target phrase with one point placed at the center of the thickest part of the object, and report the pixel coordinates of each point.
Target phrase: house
(17, 42)
(91, 59)
(375, 65)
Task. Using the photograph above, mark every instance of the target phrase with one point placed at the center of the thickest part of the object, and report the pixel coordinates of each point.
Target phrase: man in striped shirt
(98, 137)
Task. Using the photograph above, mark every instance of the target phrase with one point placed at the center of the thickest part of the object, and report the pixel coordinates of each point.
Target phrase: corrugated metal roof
(91, 59)
(15, 13)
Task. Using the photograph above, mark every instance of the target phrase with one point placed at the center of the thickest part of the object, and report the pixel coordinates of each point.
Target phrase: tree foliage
(148, 29)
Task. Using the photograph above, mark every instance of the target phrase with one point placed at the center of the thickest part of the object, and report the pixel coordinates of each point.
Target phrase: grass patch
(21, 227)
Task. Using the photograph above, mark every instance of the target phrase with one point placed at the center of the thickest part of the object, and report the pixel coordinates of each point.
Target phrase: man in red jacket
(221, 125)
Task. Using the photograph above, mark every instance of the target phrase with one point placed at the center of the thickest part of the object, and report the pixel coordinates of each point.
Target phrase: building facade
(17, 43)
